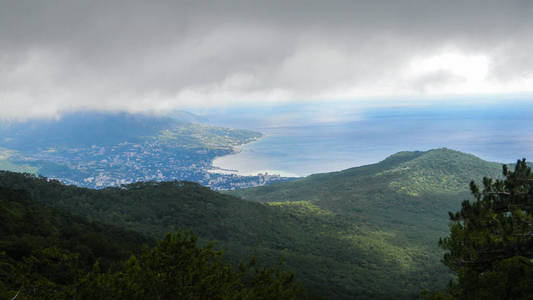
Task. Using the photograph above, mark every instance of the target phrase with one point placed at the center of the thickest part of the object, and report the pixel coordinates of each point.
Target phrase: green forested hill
(27, 226)
(368, 232)
(410, 188)
(47, 253)
(403, 201)
(71, 244)
(407, 173)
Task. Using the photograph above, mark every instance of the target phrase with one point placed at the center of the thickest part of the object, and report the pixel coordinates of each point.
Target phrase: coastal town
(112, 166)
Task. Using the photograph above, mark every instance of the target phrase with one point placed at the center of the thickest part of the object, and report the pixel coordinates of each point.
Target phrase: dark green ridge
(366, 233)
(71, 244)
(47, 253)
(27, 225)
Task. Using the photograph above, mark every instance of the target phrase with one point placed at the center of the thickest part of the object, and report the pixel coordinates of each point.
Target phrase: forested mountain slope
(411, 173)
(407, 188)
(404, 201)
(30, 231)
(368, 232)
(46, 253)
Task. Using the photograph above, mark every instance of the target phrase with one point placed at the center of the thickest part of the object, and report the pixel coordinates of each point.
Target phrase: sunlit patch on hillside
(305, 206)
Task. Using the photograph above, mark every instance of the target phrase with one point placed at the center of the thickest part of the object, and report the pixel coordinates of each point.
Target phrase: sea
(500, 133)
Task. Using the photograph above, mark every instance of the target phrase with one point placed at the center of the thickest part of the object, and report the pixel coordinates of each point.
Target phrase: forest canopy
(50, 254)
(490, 246)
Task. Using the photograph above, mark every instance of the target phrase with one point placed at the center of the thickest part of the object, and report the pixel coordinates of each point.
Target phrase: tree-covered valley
(369, 232)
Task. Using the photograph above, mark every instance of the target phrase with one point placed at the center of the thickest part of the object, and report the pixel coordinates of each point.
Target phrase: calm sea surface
(302, 150)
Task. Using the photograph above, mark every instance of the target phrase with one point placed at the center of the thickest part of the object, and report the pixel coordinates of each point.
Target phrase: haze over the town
(156, 56)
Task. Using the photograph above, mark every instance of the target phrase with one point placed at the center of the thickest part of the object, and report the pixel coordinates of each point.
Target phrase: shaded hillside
(27, 226)
(153, 208)
(46, 253)
(365, 233)
(29, 230)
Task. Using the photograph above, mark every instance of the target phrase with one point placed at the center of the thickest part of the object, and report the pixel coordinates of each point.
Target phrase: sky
(59, 56)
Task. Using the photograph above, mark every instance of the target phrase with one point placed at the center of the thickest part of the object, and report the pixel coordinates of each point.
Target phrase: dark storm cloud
(159, 55)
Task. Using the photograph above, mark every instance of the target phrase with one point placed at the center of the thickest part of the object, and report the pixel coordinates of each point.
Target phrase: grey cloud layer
(157, 55)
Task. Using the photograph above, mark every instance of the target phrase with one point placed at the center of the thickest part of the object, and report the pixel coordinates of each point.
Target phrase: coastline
(234, 150)
(217, 169)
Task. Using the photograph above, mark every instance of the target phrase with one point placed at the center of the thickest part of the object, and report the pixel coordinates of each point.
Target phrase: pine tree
(490, 246)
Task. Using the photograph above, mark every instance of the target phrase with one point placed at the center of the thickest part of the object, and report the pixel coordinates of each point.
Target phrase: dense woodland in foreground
(51, 254)
(367, 233)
